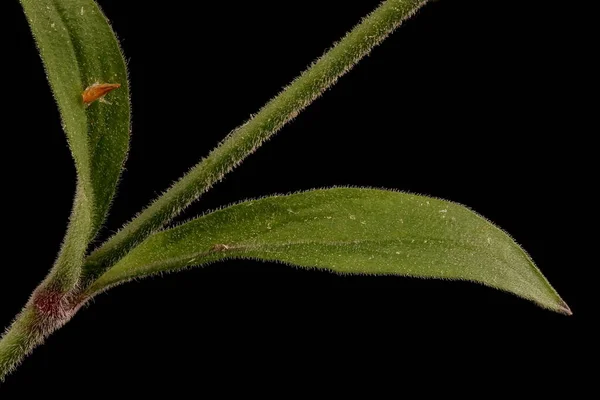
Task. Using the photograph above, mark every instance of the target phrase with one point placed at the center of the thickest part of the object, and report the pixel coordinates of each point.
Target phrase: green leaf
(347, 230)
(78, 48)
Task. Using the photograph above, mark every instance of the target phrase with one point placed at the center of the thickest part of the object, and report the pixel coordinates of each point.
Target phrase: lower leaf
(348, 230)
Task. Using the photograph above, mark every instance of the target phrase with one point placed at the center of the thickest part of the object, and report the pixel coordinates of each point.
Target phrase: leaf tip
(565, 309)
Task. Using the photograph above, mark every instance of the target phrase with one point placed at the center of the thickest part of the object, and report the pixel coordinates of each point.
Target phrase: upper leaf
(79, 48)
(348, 230)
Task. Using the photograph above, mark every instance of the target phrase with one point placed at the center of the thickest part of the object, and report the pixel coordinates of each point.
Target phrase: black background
(471, 101)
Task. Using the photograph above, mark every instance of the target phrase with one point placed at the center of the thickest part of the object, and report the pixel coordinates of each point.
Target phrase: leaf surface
(78, 49)
(348, 230)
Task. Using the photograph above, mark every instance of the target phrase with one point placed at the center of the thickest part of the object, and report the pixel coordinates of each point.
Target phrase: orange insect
(97, 91)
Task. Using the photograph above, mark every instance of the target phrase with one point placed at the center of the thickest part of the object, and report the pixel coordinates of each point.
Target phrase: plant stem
(66, 273)
(245, 139)
(17, 342)
(47, 310)
(51, 304)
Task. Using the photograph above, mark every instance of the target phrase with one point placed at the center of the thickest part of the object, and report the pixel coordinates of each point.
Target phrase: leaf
(79, 48)
(348, 230)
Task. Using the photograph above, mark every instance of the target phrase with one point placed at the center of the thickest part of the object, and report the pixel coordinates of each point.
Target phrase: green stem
(66, 273)
(244, 140)
(17, 342)
(47, 310)
(55, 300)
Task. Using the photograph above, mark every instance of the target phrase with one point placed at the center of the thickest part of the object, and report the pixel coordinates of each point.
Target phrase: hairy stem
(51, 305)
(46, 311)
(245, 139)
(66, 273)
(17, 342)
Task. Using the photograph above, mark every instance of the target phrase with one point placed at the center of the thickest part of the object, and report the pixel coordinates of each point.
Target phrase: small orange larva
(97, 91)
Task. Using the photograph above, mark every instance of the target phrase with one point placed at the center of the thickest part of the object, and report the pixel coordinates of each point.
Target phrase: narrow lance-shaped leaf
(79, 49)
(348, 230)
